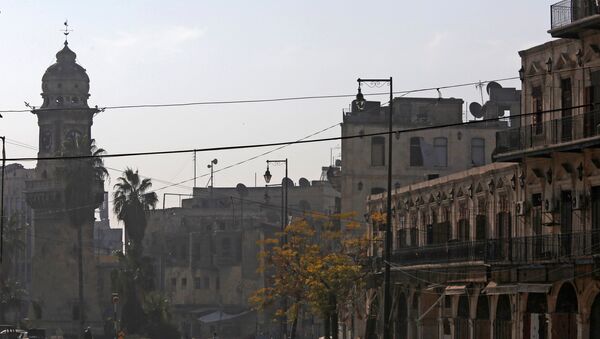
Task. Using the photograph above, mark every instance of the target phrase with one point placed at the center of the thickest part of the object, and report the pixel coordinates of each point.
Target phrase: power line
(287, 143)
(267, 100)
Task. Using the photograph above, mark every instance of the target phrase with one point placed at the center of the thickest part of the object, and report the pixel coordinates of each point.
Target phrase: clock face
(46, 141)
(73, 135)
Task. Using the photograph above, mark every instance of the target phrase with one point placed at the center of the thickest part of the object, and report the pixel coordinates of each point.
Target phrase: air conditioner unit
(579, 201)
(521, 207)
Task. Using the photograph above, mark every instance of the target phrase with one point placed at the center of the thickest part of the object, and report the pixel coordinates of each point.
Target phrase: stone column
(549, 325)
(471, 329)
(583, 326)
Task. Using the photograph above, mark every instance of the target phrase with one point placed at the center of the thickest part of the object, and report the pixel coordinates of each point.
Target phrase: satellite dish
(491, 85)
(475, 109)
(303, 182)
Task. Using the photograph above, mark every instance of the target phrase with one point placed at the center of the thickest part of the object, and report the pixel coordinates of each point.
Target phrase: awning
(534, 288)
(455, 290)
(220, 316)
(493, 288)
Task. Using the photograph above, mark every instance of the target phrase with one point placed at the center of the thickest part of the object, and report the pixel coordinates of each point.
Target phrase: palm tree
(131, 201)
(84, 191)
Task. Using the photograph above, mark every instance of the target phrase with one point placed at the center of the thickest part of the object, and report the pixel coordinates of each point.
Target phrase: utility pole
(387, 251)
(2, 200)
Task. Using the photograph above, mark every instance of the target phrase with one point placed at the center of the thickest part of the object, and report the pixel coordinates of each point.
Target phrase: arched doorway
(401, 318)
(564, 323)
(534, 318)
(503, 324)
(461, 324)
(481, 325)
(595, 318)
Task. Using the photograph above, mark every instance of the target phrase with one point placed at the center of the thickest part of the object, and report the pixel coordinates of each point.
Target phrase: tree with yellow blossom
(314, 266)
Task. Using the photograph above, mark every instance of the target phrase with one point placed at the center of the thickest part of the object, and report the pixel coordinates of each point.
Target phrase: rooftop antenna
(480, 87)
(67, 31)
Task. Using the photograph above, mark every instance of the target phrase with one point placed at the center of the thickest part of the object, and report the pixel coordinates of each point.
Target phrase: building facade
(207, 255)
(417, 155)
(510, 249)
(20, 221)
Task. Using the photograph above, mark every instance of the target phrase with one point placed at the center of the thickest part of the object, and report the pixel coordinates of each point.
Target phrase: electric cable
(293, 142)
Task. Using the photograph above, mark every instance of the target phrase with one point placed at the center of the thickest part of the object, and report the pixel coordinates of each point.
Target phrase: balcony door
(566, 222)
(595, 205)
(567, 112)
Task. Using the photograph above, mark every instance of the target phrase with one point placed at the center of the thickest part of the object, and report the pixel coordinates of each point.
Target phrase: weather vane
(67, 31)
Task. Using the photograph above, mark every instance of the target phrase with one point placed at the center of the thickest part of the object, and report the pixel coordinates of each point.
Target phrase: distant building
(206, 254)
(17, 211)
(107, 240)
(417, 155)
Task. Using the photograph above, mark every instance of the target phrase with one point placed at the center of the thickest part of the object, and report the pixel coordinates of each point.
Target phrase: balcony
(516, 250)
(571, 17)
(563, 134)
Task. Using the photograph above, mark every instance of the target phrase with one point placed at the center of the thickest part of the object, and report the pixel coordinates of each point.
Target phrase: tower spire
(67, 31)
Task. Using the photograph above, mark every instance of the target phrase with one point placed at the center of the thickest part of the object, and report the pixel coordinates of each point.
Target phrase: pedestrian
(87, 333)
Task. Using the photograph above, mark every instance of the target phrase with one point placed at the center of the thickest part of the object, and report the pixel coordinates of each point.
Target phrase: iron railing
(552, 132)
(567, 11)
(518, 250)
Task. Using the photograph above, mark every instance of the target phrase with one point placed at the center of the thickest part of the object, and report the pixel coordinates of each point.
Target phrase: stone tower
(63, 116)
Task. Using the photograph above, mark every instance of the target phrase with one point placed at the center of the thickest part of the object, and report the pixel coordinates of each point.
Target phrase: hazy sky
(138, 52)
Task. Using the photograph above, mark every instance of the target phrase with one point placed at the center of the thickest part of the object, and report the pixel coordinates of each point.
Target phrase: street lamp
(211, 166)
(387, 296)
(284, 220)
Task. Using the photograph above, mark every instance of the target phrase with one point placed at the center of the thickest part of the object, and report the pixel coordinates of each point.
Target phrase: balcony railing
(518, 250)
(566, 12)
(548, 133)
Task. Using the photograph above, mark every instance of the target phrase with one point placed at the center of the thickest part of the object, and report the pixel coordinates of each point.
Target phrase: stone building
(206, 254)
(64, 115)
(107, 240)
(18, 212)
(510, 249)
(417, 155)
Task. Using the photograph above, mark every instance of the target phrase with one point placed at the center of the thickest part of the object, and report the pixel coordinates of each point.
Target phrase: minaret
(64, 115)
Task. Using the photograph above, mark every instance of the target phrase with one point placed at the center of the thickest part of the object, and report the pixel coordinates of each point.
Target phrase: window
(440, 150)
(226, 247)
(197, 283)
(478, 151)
(416, 156)
(377, 151)
(183, 283)
(173, 283)
(217, 283)
(538, 104)
(206, 282)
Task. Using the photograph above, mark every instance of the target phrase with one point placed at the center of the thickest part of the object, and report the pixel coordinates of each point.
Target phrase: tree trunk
(327, 325)
(80, 274)
(334, 315)
(293, 330)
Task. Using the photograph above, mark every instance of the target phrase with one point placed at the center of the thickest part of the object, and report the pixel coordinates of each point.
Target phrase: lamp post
(212, 166)
(387, 296)
(284, 220)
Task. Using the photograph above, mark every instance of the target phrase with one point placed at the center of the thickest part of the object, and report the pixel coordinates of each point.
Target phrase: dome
(65, 83)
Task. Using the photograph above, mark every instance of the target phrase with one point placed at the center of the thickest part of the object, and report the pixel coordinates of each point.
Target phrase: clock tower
(64, 117)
